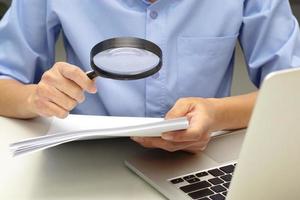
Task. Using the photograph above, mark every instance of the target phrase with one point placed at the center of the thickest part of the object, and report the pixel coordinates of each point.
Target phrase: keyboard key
(177, 180)
(227, 177)
(224, 193)
(195, 186)
(218, 189)
(216, 172)
(188, 177)
(226, 185)
(227, 169)
(201, 193)
(201, 174)
(217, 197)
(193, 180)
(215, 181)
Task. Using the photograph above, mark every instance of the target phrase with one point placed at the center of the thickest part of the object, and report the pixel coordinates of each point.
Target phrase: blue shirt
(198, 40)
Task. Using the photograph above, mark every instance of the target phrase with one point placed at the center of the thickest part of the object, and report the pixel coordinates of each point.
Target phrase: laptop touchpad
(225, 148)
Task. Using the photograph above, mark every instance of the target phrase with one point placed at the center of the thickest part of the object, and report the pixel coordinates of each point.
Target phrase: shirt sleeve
(269, 37)
(28, 32)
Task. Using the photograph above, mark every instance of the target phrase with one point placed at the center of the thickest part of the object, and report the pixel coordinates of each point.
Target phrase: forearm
(234, 112)
(15, 99)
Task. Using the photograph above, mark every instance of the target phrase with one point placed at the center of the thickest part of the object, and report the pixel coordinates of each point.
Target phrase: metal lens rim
(125, 42)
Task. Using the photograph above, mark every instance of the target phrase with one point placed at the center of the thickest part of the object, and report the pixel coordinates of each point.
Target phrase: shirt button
(153, 14)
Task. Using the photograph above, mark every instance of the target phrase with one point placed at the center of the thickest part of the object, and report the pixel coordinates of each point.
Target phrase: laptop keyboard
(209, 184)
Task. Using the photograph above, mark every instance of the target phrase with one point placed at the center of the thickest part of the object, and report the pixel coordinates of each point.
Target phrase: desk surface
(79, 170)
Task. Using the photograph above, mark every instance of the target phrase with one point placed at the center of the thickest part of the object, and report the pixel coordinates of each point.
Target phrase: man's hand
(205, 116)
(201, 115)
(60, 90)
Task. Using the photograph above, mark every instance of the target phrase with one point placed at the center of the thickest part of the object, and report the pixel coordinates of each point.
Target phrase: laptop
(262, 162)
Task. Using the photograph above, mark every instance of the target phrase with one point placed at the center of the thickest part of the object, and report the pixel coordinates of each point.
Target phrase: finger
(49, 109)
(62, 100)
(57, 80)
(157, 142)
(196, 148)
(54, 95)
(71, 89)
(78, 76)
(188, 135)
(181, 108)
(143, 142)
(196, 130)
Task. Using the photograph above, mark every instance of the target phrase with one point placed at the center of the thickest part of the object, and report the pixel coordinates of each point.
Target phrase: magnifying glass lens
(126, 60)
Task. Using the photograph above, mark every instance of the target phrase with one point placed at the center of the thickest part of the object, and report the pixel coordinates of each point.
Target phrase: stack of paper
(81, 127)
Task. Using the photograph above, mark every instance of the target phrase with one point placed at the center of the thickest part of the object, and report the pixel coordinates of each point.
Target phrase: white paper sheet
(89, 122)
(81, 127)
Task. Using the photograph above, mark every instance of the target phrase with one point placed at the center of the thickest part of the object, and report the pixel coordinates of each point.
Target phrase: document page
(90, 122)
(83, 127)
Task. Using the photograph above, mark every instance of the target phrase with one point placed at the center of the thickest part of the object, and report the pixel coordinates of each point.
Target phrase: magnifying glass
(125, 58)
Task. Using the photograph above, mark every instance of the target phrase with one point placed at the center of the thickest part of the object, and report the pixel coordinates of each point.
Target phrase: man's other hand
(201, 114)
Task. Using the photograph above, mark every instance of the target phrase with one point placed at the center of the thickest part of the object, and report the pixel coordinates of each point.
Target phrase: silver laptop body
(269, 162)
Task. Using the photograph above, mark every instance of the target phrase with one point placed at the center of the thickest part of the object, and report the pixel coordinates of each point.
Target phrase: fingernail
(93, 89)
(137, 139)
(167, 136)
(133, 138)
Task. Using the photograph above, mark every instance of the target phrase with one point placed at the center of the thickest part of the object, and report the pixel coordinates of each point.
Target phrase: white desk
(80, 170)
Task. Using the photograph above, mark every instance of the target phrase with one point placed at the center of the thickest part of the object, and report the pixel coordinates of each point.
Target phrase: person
(198, 40)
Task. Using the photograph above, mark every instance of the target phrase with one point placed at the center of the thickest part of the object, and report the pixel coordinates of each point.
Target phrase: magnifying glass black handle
(91, 74)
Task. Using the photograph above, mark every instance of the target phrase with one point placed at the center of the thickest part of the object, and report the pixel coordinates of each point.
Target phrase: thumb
(180, 109)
